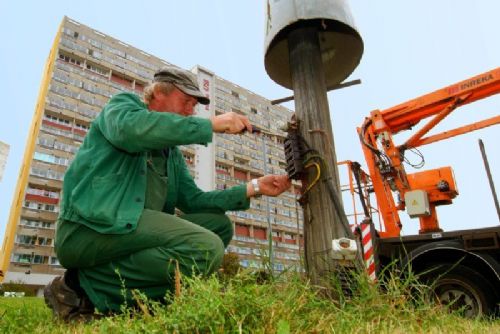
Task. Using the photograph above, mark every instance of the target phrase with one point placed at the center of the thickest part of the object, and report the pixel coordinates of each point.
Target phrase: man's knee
(210, 253)
(218, 223)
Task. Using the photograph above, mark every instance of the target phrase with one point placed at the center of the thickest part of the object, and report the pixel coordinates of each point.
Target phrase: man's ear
(156, 91)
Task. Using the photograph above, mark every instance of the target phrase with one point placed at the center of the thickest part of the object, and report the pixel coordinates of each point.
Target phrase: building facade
(84, 69)
(4, 153)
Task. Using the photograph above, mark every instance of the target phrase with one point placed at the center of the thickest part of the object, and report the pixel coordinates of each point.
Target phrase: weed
(240, 304)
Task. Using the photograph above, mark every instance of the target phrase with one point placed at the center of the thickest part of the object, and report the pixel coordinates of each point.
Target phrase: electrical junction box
(417, 203)
(344, 249)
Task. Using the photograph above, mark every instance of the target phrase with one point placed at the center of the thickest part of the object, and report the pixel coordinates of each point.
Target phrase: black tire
(461, 289)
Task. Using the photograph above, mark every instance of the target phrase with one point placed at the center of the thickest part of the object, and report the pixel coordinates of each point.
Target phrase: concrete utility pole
(311, 47)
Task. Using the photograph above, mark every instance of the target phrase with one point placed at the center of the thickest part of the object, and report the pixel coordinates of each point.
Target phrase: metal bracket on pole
(335, 87)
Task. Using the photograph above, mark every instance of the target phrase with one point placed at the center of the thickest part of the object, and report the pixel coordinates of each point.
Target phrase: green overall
(117, 224)
(143, 259)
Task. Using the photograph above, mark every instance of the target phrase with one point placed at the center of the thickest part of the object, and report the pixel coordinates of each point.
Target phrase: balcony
(39, 181)
(39, 214)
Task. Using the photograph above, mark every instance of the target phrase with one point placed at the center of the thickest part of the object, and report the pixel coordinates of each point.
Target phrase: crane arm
(385, 159)
(406, 115)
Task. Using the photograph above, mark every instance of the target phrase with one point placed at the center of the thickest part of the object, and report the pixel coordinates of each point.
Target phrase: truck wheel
(461, 288)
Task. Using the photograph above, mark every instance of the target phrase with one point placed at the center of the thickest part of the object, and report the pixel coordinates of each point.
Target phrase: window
(290, 238)
(40, 259)
(44, 241)
(69, 59)
(63, 91)
(87, 111)
(35, 223)
(279, 267)
(47, 142)
(259, 233)
(240, 175)
(56, 120)
(222, 169)
(54, 261)
(97, 70)
(242, 230)
(33, 240)
(64, 147)
(51, 159)
(42, 192)
(220, 186)
(54, 175)
(46, 173)
(26, 239)
(81, 127)
(40, 206)
(59, 103)
(22, 258)
(139, 87)
(240, 161)
(95, 43)
(121, 80)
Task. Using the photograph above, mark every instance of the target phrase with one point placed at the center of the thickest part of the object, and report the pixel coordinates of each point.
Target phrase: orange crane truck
(463, 267)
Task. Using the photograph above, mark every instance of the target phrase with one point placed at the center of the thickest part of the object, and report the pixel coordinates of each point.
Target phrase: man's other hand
(270, 185)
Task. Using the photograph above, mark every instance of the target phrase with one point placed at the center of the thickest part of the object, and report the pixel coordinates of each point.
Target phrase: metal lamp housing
(340, 43)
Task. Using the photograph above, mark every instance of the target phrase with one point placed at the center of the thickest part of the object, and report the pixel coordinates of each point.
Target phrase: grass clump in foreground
(288, 304)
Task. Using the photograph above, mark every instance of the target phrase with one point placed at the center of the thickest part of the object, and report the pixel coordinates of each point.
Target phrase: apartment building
(4, 153)
(241, 158)
(84, 69)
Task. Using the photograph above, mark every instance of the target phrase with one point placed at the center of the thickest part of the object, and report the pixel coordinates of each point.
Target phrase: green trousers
(110, 266)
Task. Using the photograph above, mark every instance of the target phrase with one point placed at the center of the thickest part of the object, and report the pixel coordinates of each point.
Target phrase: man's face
(176, 102)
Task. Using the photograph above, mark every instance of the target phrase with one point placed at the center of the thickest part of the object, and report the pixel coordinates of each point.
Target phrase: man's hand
(230, 122)
(270, 185)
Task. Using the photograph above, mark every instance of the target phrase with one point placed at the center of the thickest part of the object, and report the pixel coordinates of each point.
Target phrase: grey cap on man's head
(182, 79)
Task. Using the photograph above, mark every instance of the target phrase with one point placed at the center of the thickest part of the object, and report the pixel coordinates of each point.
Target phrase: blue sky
(411, 48)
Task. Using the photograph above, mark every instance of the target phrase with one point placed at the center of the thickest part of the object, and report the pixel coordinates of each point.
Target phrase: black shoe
(85, 312)
(65, 303)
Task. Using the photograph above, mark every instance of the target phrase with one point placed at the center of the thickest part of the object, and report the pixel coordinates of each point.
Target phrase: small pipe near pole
(490, 178)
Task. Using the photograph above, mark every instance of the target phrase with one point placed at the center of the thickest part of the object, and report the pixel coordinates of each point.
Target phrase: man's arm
(192, 199)
(127, 123)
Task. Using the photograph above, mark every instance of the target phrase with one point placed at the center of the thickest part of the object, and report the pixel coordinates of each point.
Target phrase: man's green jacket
(105, 185)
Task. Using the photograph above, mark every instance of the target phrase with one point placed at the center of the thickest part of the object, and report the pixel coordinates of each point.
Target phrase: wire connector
(294, 151)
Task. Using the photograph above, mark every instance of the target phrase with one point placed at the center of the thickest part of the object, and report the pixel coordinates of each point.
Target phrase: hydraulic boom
(418, 193)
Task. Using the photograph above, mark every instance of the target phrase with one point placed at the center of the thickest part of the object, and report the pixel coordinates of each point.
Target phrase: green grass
(241, 305)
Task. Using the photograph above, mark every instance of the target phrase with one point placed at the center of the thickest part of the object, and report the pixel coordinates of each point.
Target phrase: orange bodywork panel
(438, 183)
